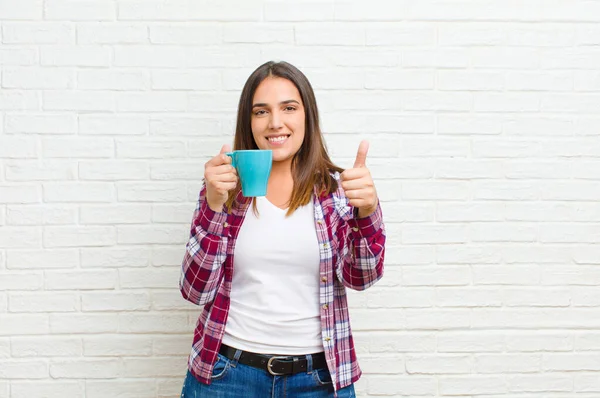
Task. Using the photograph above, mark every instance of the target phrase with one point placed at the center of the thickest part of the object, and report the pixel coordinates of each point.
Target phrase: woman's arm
(206, 251)
(362, 244)
(361, 225)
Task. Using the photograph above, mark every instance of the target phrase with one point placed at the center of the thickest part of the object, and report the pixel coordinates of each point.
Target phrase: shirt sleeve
(206, 251)
(363, 249)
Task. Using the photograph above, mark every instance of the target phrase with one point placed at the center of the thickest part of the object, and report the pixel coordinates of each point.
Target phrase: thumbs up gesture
(358, 185)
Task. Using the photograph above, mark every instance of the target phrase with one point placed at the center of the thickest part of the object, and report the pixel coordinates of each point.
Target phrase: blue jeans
(231, 379)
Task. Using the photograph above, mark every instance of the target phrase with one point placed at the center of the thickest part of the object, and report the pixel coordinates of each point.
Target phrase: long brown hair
(311, 165)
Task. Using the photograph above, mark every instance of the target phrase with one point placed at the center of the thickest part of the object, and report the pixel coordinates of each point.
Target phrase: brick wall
(484, 123)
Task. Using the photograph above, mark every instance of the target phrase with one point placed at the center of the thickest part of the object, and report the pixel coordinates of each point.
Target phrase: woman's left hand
(358, 184)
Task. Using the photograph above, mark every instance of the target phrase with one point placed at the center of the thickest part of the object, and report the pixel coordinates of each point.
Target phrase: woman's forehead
(276, 90)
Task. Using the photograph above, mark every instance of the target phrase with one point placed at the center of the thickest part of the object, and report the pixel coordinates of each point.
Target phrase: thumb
(361, 155)
(225, 148)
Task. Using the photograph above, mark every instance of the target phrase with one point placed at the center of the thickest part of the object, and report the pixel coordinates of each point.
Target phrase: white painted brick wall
(484, 123)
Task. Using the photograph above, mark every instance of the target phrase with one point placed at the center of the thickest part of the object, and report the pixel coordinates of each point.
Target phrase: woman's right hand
(220, 178)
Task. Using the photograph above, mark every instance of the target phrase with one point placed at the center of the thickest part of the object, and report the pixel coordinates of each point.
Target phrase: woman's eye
(260, 112)
(290, 108)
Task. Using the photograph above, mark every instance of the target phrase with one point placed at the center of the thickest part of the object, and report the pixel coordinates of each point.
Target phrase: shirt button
(327, 339)
(319, 221)
(325, 306)
(355, 229)
(325, 245)
(225, 224)
(324, 279)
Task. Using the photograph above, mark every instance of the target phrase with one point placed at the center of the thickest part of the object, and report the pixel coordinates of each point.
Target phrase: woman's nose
(275, 121)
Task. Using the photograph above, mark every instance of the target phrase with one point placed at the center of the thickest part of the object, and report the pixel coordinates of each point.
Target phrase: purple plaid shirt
(351, 251)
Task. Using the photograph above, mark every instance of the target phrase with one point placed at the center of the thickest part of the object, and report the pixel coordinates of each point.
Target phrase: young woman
(270, 273)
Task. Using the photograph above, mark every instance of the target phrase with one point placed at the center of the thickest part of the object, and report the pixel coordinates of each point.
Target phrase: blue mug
(253, 167)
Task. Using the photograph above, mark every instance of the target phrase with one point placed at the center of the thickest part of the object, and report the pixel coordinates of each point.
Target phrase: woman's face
(278, 120)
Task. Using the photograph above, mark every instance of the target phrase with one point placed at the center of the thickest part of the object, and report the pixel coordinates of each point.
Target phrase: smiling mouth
(278, 139)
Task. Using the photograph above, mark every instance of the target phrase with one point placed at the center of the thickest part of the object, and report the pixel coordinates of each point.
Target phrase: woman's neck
(281, 184)
(281, 171)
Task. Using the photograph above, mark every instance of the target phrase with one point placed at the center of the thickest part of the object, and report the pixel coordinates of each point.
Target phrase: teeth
(278, 139)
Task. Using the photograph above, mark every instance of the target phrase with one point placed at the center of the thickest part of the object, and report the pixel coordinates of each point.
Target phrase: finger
(225, 148)
(354, 184)
(218, 160)
(362, 198)
(215, 178)
(225, 186)
(361, 155)
(359, 203)
(223, 169)
(221, 158)
(353, 174)
(361, 193)
(224, 178)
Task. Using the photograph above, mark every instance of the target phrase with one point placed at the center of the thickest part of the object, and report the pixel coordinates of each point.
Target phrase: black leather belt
(277, 365)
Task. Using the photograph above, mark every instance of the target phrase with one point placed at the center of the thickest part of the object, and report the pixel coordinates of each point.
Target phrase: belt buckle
(270, 364)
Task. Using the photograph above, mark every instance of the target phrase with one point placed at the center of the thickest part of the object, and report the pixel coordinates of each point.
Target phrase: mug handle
(230, 154)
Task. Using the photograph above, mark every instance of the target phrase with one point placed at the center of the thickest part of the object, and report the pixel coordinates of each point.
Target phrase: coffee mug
(253, 167)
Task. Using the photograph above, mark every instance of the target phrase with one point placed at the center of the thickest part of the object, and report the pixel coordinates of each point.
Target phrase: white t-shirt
(275, 288)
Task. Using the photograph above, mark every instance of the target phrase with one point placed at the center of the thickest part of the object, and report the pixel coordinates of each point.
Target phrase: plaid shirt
(351, 251)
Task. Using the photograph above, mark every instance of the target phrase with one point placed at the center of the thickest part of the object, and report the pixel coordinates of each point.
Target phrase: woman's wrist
(364, 212)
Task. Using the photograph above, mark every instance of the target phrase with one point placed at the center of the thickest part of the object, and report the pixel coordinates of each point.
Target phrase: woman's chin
(281, 157)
